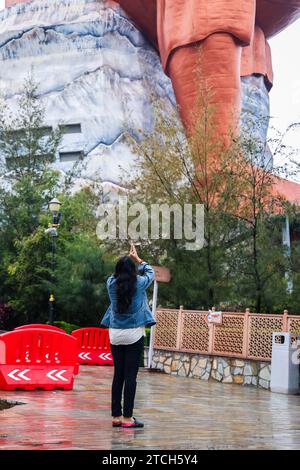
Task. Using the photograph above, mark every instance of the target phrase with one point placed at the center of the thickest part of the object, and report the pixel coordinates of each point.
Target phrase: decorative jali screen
(244, 335)
(261, 328)
(195, 332)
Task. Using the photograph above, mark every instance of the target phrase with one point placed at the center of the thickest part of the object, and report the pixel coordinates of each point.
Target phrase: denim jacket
(138, 312)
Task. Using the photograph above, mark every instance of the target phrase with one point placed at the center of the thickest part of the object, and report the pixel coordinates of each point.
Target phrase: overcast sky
(285, 95)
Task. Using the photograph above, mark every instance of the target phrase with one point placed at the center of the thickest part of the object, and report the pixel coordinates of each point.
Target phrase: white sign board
(214, 317)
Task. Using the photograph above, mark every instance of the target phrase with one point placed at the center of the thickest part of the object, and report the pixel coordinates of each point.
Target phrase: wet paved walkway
(179, 413)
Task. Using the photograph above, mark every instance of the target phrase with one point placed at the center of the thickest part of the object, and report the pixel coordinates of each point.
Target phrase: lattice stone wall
(195, 332)
(167, 329)
(240, 335)
(228, 337)
(260, 330)
(294, 325)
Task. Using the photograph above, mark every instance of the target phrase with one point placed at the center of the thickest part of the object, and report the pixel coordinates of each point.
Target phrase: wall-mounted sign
(214, 317)
(162, 274)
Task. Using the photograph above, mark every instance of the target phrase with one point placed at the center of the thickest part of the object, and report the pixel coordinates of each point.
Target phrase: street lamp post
(54, 208)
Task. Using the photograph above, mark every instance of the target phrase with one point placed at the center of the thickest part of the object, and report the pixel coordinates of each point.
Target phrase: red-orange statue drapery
(233, 35)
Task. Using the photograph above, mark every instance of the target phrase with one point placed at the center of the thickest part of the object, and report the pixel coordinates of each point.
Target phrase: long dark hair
(125, 274)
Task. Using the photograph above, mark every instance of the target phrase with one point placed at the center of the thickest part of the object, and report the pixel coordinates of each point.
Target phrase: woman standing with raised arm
(126, 317)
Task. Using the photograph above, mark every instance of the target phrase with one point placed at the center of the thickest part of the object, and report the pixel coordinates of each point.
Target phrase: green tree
(28, 183)
(82, 262)
(27, 144)
(81, 275)
(258, 261)
(243, 258)
(27, 275)
(174, 168)
(80, 272)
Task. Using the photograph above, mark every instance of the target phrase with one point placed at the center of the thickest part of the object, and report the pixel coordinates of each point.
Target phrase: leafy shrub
(67, 327)
(6, 317)
(147, 337)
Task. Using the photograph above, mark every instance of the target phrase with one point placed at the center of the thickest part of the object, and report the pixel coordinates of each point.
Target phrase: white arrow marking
(50, 375)
(84, 355)
(106, 357)
(23, 376)
(20, 374)
(57, 375)
(12, 376)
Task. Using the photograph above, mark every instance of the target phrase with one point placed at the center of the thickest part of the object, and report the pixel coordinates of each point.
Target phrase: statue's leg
(216, 63)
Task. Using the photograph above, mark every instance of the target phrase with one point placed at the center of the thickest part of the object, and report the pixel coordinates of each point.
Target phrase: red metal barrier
(33, 358)
(93, 346)
(40, 325)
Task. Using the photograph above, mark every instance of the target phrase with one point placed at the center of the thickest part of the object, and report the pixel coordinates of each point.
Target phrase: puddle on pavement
(5, 404)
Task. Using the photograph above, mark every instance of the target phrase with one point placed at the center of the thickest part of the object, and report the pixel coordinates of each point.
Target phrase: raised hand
(133, 254)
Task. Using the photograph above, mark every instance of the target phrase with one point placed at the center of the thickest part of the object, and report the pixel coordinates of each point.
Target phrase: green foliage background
(242, 264)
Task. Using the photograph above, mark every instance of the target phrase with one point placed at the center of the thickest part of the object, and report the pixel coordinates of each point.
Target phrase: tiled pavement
(179, 413)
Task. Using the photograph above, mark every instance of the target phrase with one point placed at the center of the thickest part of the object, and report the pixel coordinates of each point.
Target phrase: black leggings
(126, 360)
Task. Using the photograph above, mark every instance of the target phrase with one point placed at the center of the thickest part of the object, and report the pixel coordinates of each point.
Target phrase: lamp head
(54, 206)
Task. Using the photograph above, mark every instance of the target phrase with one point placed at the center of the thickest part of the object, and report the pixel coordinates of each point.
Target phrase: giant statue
(233, 35)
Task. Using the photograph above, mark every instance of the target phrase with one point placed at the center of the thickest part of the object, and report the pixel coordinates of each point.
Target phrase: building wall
(221, 369)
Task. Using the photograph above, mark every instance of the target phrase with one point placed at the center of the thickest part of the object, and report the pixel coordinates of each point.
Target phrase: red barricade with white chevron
(40, 325)
(32, 358)
(93, 346)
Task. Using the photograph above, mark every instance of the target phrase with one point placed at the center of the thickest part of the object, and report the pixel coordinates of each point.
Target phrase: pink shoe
(134, 424)
(116, 424)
